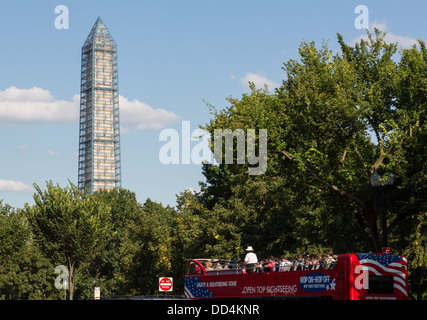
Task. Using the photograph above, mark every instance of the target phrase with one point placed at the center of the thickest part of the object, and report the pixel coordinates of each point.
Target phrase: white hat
(249, 248)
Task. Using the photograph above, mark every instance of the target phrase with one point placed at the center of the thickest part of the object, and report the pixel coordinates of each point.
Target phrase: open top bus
(354, 276)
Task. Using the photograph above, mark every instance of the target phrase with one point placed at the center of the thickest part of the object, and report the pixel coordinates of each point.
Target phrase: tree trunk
(371, 228)
(71, 279)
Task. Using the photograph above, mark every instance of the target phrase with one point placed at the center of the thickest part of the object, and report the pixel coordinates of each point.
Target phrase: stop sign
(165, 284)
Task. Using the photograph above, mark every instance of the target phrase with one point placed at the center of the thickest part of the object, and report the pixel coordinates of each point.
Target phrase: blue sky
(172, 56)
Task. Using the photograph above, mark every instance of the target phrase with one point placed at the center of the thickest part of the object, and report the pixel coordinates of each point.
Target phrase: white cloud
(258, 80)
(51, 153)
(378, 25)
(390, 37)
(37, 105)
(15, 186)
(192, 191)
(139, 115)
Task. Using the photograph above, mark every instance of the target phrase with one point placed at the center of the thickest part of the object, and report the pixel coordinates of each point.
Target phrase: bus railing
(224, 267)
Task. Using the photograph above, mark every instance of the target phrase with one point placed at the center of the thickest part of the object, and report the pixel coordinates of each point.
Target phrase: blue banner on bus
(316, 282)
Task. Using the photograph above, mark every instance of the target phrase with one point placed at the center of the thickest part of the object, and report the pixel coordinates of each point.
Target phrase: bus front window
(194, 268)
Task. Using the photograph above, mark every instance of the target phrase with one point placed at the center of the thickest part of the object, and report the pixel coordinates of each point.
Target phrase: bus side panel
(287, 284)
(358, 276)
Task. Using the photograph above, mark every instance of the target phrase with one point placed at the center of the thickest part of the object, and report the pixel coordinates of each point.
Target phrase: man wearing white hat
(250, 260)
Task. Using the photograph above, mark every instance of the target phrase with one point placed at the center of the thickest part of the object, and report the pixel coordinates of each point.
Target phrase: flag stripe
(401, 289)
(373, 270)
(399, 273)
(400, 280)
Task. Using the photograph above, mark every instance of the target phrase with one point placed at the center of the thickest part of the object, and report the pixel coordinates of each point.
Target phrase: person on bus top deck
(314, 262)
(329, 260)
(208, 265)
(285, 264)
(250, 259)
(271, 265)
(299, 263)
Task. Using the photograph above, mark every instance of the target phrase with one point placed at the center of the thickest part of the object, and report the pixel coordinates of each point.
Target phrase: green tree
(277, 211)
(336, 120)
(410, 204)
(70, 226)
(111, 269)
(24, 272)
(149, 248)
(13, 237)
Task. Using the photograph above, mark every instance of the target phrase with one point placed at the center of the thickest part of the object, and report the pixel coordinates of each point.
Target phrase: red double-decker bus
(355, 276)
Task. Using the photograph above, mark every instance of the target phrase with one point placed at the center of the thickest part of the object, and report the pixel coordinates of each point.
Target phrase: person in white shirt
(250, 260)
(285, 264)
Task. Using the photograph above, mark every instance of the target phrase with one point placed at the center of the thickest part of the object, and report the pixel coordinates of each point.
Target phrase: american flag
(392, 264)
(194, 288)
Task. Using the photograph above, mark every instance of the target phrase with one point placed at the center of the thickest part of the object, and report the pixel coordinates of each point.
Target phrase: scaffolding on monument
(99, 143)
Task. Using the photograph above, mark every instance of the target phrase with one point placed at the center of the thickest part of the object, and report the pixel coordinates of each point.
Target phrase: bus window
(191, 268)
(194, 268)
(381, 285)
